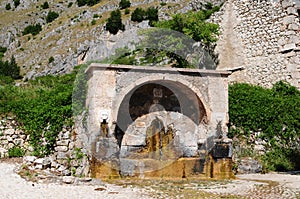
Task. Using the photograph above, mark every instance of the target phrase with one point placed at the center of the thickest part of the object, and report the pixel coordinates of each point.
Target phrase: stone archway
(170, 96)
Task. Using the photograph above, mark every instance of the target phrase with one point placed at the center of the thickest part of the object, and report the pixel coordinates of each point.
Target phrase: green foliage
(45, 5)
(163, 3)
(114, 22)
(43, 107)
(70, 4)
(16, 3)
(124, 4)
(150, 14)
(95, 16)
(138, 15)
(50, 60)
(51, 16)
(16, 151)
(10, 68)
(32, 29)
(8, 6)
(93, 22)
(87, 2)
(2, 51)
(275, 113)
(127, 11)
(194, 25)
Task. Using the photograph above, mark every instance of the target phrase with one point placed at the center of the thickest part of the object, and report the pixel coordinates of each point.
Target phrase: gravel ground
(12, 186)
(262, 186)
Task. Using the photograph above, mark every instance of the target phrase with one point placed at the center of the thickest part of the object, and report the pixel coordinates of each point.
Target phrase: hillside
(70, 38)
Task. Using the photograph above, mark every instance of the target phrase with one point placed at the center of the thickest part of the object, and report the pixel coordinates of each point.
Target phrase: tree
(51, 16)
(16, 3)
(114, 22)
(138, 15)
(33, 29)
(45, 5)
(124, 4)
(10, 68)
(152, 15)
(8, 6)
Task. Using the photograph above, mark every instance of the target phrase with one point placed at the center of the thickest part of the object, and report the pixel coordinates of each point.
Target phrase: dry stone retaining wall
(266, 39)
(67, 158)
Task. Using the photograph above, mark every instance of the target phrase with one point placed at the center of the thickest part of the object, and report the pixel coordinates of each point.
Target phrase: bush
(93, 22)
(127, 11)
(87, 2)
(152, 15)
(51, 16)
(70, 4)
(50, 60)
(138, 15)
(43, 108)
(32, 29)
(10, 69)
(8, 6)
(45, 5)
(124, 4)
(273, 112)
(16, 3)
(114, 22)
(16, 151)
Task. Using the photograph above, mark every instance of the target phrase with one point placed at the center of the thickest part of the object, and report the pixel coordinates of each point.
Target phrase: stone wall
(67, 158)
(12, 136)
(260, 41)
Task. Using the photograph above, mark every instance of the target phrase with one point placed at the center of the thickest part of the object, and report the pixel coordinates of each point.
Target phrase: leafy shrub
(43, 107)
(45, 5)
(51, 16)
(16, 3)
(16, 151)
(2, 51)
(93, 22)
(10, 69)
(87, 2)
(138, 15)
(163, 3)
(8, 6)
(70, 4)
(275, 113)
(95, 16)
(194, 25)
(127, 11)
(124, 4)
(114, 22)
(150, 14)
(51, 59)
(32, 29)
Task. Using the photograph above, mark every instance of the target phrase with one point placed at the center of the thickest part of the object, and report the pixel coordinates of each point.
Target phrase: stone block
(288, 47)
(288, 20)
(9, 131)
(222, 150)
(63, 143)
(287, 3)
(61, 148)
(68, 179)
(29, 158)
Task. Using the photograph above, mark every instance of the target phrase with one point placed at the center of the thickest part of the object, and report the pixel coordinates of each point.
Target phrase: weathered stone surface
(249, 165)
(68, 179)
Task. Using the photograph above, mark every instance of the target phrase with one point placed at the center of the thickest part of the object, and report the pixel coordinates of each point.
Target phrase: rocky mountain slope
(72, 38)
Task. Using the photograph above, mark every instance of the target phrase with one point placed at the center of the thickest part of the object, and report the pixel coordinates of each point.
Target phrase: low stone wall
(67, 158)
(12, 136)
